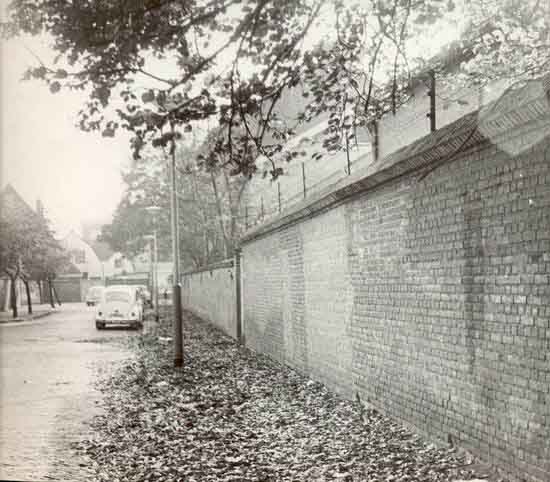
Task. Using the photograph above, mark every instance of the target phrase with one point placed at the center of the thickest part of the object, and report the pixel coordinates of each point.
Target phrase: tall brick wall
(211, 295)
(429, 298)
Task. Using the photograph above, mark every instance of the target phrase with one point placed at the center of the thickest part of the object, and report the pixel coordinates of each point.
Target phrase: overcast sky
(44, 155)
(75, 174)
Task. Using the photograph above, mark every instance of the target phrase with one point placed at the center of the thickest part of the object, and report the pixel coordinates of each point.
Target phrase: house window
(79, 256)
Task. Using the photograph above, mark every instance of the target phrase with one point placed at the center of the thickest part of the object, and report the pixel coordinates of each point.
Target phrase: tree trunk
(50, 291)
(28, 292)
(220, 214)
(13, 296)
(204, 219)
(55, 293)
(205, 243)
(235, 211)
(39, 283)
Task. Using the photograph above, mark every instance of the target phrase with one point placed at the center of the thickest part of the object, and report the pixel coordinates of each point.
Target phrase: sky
(45, 156)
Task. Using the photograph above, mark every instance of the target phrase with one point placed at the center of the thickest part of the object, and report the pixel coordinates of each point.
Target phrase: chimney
(40, 208)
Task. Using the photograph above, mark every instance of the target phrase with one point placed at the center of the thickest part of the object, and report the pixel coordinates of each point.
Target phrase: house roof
(102, 249)
(11, 198)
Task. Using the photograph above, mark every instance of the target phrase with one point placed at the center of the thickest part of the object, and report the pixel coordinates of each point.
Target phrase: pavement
(229, 414)
(38, 311)
(49, 367)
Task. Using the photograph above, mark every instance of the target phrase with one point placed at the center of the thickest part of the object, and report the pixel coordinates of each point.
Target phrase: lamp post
(154, 210)
(176, 292)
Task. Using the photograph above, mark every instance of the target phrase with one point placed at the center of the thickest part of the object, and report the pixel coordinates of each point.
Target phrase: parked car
(93, 296)
(120, 305)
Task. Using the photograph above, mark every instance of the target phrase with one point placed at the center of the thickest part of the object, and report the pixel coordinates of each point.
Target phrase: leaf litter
(234, 415)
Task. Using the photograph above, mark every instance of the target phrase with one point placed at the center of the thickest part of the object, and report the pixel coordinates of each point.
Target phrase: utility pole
(176, 291)
(154, 210)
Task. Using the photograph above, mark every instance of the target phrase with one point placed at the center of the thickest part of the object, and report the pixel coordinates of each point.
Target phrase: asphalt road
(47, 395)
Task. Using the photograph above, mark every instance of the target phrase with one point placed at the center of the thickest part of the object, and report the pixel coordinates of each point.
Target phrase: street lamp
(176, 290)
(154, 210)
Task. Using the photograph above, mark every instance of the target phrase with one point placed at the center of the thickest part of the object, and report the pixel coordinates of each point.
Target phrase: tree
(28, 250)
(232, 61)
(208, 215)
(10, 257)
(43, 262)
(227, 190)
(21, 231)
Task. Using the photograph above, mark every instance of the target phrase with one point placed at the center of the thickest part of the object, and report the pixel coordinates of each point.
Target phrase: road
(48, 367)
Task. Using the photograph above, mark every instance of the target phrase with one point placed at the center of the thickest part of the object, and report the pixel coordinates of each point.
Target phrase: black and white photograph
(275, 240)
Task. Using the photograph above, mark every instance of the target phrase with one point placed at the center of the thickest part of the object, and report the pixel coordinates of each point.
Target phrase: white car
(94, 294)
(120, 305)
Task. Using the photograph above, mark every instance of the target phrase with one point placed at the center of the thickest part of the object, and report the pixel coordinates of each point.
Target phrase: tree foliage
(28, 250)
(156, 67)
(209, 214)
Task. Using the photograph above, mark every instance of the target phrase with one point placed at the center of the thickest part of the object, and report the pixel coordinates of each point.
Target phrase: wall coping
(512, 110)
(226, 263)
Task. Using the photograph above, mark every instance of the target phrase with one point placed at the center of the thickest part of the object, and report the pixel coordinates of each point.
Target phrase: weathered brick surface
(430, 298)
(211, 295)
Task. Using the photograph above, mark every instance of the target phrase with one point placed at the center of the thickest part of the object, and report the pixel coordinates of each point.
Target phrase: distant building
(83, 256)
(90, 231)
(112, 263)
(95, 262)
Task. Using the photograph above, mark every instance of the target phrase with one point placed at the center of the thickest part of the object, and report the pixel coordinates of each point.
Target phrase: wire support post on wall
(304, 179)
(431, 94)
(375, 140)
(262, 208)
(348, 170)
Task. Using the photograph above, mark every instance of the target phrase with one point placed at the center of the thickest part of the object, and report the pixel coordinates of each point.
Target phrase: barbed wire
(267, 192)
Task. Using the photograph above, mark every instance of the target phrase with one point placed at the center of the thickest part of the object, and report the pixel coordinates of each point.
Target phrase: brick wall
(430, 298)
(211, 295)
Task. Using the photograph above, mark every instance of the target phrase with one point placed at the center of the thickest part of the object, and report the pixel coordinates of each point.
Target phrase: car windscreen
(123, 296)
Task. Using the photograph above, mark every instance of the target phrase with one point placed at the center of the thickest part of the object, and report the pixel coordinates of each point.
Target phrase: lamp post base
(178, 326)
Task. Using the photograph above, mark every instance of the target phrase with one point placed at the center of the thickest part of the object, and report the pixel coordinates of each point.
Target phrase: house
(83, 256)
(113, 263)
(95, 262)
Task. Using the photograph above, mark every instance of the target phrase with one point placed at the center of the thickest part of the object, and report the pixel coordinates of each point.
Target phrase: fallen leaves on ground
(233, 415)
